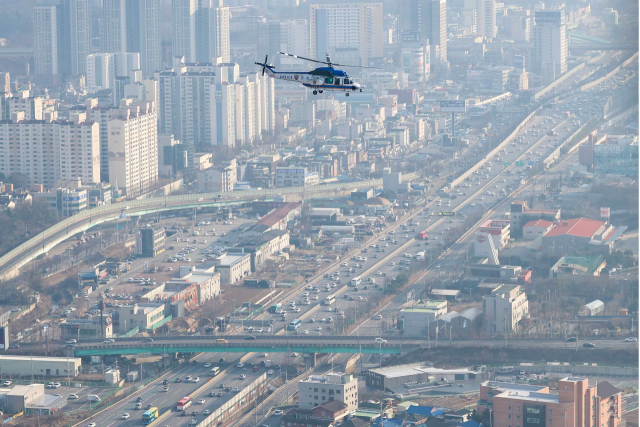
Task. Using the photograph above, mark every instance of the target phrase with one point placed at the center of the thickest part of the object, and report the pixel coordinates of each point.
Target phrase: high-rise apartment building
(133, 149)
(430, 18)
(223, 121)
(114, 37)
(356, 28)
(62, 38)
(184, 29)
(490, 27)
(100, 70)
(550, 49)
(194, 86)
(113, 71)
(212, 31)
(50, 150)
(143, 33)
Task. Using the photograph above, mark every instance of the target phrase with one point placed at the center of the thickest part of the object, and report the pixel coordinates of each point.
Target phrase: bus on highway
(329, 300)
(214, 371)
(356, 281)
(184, 403)
(294, 324)
(422, 235)
(150, 416)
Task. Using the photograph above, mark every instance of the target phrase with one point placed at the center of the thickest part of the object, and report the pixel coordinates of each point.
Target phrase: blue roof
(333, 71)
(388, 422)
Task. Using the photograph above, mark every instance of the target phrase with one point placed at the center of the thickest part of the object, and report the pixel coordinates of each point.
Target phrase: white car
(201, 402)
(206, 412)
(240, 365)
(277, 412)
(242, 376)
(207, 365)
(195, 380)
(125, 416)
(270, 372)
(91, 425)
(72, 396)
(71, 341)
(6, 383)
(381, 340)
(109, 340)
(630, 339)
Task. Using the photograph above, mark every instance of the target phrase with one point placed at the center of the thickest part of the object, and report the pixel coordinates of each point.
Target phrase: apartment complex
(350, 32)
(504, 308)
(320, 389)
(50, 150)
(550, 48)
(577, 404)
(133, 149)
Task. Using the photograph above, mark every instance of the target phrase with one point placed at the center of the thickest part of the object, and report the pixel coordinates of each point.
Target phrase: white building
(550, 48)
(504, 308)
(184, 28)
(223, 109)
(294, 38)
(356, 26)
(38, 365)
(233, 268)
(320, 389)
(100, 70)
(48, 151)
(294, 176)
(195, 110)
(133, 149)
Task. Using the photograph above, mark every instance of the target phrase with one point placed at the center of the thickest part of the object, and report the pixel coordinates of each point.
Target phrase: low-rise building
(171, 292)
(415, 321)
(22, 395)
(207, 280)
(395, 377)
(262, 248)
(145, 317)
(40, 366)
(583, 234)
(594, 308)
(96, 328)
(520, 214)
(539, 227)
(590, 265)
(233, 268)
(274, 220)
(504, 308)
(295, 176)
(320, 389)
(499, 230)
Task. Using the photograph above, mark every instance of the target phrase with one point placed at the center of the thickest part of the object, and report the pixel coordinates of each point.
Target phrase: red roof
(579, 227)
(540, 223)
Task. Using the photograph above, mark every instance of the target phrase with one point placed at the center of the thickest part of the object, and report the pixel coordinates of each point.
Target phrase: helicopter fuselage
(326, 78)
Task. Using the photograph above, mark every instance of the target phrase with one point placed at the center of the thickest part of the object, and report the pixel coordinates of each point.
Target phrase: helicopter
(320, 79)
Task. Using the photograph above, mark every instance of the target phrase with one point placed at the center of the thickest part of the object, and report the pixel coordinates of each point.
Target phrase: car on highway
(242, 376)
(206, 412)
(380, 340)
(270, 372)
(249, 338)
(240, 365)
(630, 339)
(91, 425)
(589, 345)
(72, 396)
(201, 402)
(277, 412)
(193, 422)
(207, 365)
(109, 340)
(125, 416)
(571, 339)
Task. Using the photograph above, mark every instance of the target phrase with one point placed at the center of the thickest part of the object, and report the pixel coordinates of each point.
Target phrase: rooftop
(578, 227)
(540, 223)
(530, 395)
(413, 369)
(229, 259)
(4, 358)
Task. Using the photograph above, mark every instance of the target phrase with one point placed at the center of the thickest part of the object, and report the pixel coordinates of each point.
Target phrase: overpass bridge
(41, 243)
(603, 46)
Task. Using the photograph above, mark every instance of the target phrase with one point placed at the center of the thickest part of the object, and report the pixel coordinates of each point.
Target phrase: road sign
(447, 213)
(531, 163)
(458, 106)
(520, 163)
(507, 164)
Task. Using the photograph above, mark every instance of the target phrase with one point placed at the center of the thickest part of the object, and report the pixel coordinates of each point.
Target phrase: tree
(20, 180)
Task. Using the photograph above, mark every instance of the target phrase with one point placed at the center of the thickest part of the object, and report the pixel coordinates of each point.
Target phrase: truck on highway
(275, 307)
(422, 235)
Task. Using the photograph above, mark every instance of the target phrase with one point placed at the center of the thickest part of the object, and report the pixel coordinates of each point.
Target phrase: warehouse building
(594, 308)
(392, 378)
(40, 366)
(262, 248)
(22, 395)
(79, 329)
(233, 268)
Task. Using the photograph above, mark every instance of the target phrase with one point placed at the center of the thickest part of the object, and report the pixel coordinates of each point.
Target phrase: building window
(550, 411)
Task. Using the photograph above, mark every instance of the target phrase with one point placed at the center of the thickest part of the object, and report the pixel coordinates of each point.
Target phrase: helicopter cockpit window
(338, 81)
(328, 80)
(347, 81)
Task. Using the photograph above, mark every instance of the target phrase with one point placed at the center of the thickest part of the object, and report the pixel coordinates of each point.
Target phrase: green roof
(590, 262)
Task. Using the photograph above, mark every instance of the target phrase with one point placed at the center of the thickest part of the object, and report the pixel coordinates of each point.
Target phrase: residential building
(218, 179)
(320, 389)
(143, 34)
(47, 151)
(32, 106)
(504, 309)
(64, 201)
(212, 31)
(550, 48)
(323, 415)
(62, 38)
(196, 90)
(114, 15)
(233, 268)
(429, 17)
(133, 149)
(184, 29)
(174, 157)
(577, 404)
(357, 27)
(294, 176)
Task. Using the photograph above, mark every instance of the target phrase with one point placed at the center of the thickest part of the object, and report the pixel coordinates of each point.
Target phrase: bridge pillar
(135, 220)
(311, 360)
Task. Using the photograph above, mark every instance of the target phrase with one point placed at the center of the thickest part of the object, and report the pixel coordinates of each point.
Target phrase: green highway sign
(507, 164)
(447, 213)
(520, 163)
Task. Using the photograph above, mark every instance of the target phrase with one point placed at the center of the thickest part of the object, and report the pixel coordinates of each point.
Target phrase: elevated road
(307, 344)
(11, 262)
